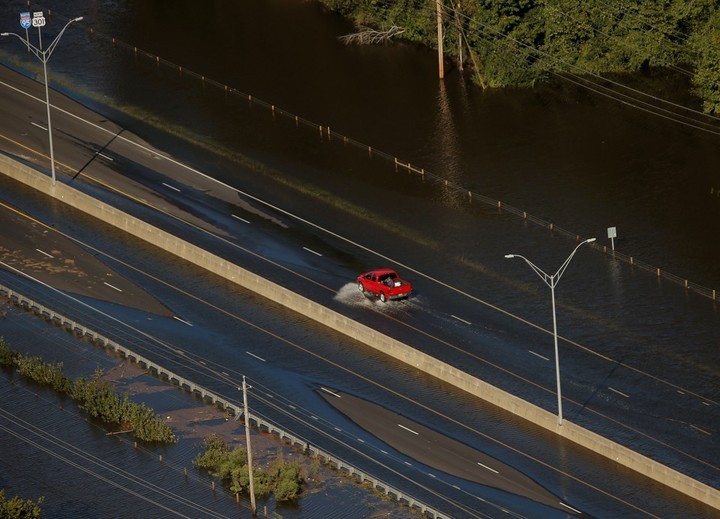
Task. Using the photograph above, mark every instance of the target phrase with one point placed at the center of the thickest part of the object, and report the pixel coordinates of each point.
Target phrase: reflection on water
(447, 144)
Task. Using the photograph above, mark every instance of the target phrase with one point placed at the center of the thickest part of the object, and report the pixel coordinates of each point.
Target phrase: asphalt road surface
(43, 253)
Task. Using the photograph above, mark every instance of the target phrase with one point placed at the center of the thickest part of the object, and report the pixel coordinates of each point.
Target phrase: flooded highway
(642, 351)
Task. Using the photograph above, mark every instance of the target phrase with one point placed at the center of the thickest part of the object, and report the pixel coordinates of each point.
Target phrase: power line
(45, 441)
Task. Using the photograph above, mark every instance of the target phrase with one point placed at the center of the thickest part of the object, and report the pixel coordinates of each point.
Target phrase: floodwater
(562, 154)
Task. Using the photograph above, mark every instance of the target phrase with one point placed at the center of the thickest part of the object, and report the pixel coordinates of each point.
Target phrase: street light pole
(44, 56)
(552, 282)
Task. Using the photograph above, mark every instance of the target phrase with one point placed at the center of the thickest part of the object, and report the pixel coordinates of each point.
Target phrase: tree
(706, 81)
(282, 479)
(18, 508)
(519, 42)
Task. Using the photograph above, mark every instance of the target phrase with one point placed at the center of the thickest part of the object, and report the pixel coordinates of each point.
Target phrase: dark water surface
(561, 154)
(578, 160)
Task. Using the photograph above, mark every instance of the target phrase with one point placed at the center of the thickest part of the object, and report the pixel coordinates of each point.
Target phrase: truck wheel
(361, 288)
(382, 297)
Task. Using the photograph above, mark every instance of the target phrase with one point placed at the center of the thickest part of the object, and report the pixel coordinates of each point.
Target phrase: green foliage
(100, 400)
(263, 483)
(95, 396)
(8, 357)
(706, 82)
(518, 42)
(232, 459)
(146, 426)
(17, 508)
(240, 479)
(282, 479)
(215, 450)
(288, 480)
(43, 373)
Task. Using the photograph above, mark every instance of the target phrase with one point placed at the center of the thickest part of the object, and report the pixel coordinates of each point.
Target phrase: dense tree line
(520, 42)
(282, 479)
(95, 396)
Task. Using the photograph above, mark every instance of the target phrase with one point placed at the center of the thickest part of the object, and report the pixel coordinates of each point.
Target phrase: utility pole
(441, 66)
(249, 449)
(459, 28)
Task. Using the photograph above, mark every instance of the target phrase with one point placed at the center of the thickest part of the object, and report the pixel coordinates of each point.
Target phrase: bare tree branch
(368, 36)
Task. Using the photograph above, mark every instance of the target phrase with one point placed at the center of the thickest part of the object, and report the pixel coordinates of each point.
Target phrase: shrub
(282, 479)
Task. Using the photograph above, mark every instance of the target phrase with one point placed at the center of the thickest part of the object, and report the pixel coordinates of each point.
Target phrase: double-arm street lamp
(552, 281)
(44, 56)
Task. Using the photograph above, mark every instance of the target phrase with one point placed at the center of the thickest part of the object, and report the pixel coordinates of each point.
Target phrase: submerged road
(436, 450)
(99, 157)
(70, 268)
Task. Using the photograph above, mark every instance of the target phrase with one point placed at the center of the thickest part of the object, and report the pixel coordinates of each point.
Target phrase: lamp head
(590, 240)
(4, 34)
(508, 256)
(78, 19)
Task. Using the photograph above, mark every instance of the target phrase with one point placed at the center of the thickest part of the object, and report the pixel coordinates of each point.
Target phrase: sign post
(38, 20)
(612, 234)
(26, 23)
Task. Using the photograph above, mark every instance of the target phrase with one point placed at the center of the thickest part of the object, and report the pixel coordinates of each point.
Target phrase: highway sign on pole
(25, 22)
(38, 19)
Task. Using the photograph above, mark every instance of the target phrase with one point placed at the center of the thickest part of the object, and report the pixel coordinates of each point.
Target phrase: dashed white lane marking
(570, 508)
(488, 468)
(330, 392)
(181, 320)
(618, 392)
(407, 429)
(241, 219)
(543, 357)
(701, 430)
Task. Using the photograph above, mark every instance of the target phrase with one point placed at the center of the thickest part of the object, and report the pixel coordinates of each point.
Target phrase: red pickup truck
(385, 284)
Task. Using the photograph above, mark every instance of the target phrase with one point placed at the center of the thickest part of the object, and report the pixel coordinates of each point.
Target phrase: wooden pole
(441, 66)
(458, 24)
(249, 449)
